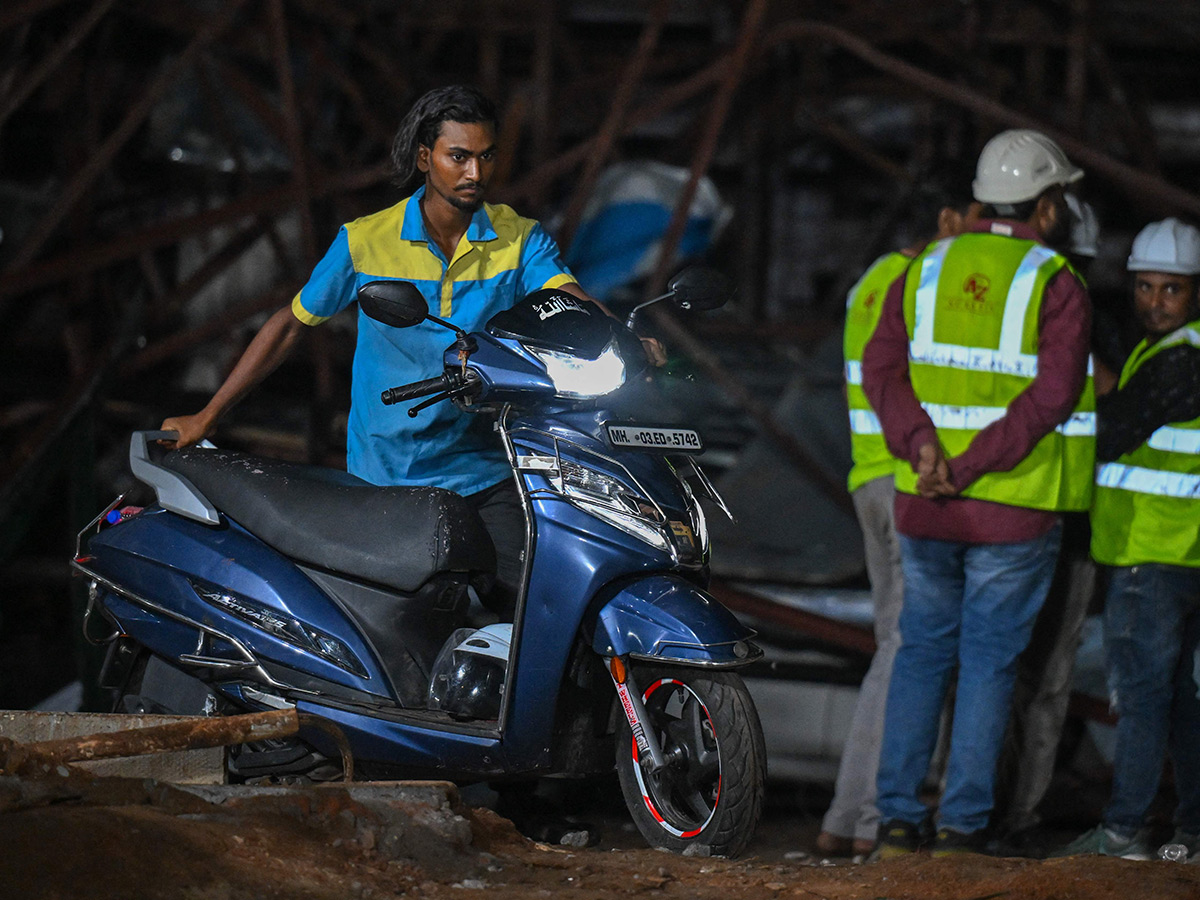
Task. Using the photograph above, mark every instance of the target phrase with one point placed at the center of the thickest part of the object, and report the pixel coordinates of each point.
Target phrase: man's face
(1164, 302)
(460, 164)
(1055, 224)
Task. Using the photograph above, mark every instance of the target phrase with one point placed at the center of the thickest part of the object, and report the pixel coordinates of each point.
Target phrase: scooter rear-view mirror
(395, 303)
(696, 287)
(699, 287)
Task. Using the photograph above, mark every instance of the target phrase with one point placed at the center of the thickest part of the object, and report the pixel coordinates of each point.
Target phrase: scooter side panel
(664, 617)
(157, 555)
(576, 556)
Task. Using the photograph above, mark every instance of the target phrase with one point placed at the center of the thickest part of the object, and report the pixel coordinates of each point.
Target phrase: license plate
(645, 437)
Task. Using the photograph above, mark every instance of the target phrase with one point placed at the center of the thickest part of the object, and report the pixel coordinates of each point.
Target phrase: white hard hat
(1085, 228)
(1168, 246)
(1019, 164)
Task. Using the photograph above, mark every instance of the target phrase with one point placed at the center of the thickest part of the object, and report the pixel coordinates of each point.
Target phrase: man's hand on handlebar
(655, 351)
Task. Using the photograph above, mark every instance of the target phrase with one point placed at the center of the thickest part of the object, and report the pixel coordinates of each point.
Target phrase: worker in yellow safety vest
(1146, 528)
(851, 823)
(979, 372)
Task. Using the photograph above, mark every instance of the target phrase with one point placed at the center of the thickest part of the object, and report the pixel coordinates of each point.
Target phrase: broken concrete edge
(380, 818)
(54, 784)
(407, 823)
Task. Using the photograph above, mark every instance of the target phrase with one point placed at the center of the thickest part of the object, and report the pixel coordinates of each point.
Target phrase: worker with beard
(1146, 532)
(470, 259)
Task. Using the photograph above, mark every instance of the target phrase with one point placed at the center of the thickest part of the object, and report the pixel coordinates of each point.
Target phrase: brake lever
(465, 384)
(429, 401)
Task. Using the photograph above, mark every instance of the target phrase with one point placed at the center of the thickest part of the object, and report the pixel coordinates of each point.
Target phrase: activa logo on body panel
(558, 303)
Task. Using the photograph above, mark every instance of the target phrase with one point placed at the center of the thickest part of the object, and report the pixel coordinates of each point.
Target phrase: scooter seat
(398, 537)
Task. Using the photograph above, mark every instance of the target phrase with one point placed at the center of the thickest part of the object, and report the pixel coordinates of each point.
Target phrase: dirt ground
(73, 836)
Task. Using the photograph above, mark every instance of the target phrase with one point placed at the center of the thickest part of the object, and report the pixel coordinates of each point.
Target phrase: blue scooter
(254, 584)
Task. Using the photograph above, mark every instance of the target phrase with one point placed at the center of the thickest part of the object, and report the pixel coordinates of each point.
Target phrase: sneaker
(1101, 841)
(1029, 843)
(1189, 842)
(896, 838)
(949, 842)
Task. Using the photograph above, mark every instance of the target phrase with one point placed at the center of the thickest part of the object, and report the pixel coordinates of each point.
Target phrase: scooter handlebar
(415, 390)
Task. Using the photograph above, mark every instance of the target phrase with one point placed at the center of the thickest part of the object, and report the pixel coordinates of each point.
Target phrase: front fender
(666, 619)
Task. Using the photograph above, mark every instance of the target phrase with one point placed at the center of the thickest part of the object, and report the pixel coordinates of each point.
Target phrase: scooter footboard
(667, 619)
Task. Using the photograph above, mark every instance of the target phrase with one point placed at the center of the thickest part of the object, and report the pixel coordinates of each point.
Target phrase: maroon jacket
(1066, 315)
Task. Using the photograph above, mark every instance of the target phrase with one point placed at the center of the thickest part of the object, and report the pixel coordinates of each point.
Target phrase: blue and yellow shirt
(501, 258)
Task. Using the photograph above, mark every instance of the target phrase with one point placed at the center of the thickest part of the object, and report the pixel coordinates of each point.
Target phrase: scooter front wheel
(708, 797)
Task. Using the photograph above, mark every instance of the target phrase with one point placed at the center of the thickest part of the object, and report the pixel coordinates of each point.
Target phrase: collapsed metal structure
(149, 150)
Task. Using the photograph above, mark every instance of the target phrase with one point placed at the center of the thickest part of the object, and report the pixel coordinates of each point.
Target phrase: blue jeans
(1152, 637)
(970, 605)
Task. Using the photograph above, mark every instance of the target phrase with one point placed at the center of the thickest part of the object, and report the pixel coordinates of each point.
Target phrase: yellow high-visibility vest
(972, 307)
(1147, 505)
(864, 303)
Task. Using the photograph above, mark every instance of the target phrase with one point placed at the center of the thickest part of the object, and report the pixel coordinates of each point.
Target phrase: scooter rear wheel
(708, 798)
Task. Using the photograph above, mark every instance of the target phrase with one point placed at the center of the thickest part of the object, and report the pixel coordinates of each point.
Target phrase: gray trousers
(1043, 688)
(852, 812)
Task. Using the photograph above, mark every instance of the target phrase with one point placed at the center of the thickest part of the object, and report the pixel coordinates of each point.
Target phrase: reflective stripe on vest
(972, 306)
(976, 418)
(864, 305)
(1148, 481)
(1175, 440)
(864, 421)
(1007, 359)
(1147, 506)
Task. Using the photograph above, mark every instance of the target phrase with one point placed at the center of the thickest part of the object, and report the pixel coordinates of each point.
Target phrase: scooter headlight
(583, 379)
(283, 627)
(604, 497)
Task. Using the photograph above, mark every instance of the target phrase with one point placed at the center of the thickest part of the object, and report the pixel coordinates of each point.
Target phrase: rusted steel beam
(718, 112)
(127, 246)
(665, 100)
(542, 122)
(291, 120)
(229, 253)
(1135, 126)
(214, 327)
(216, 106)
(831, 631)
(1136, 183)
(251, 95)
(859, 148)
(37, 442)
(854, 638)
(613, 121)
(1079, 38)
(514, 119)
(53, 59)
(185, 19)
(335, 71)
(195, 732)
(45, 227)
